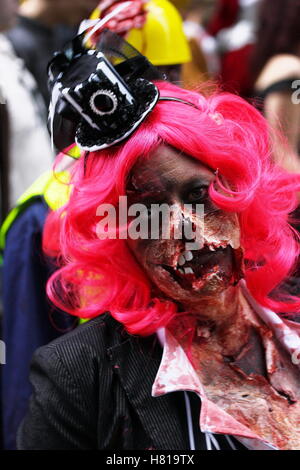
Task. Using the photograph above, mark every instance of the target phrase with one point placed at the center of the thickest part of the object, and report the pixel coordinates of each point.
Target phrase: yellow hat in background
(161, 39)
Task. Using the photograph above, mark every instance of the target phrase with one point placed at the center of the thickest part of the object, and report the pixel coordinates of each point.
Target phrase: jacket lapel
(136, 361)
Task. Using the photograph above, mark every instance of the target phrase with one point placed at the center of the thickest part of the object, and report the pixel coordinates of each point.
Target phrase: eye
(197, 194)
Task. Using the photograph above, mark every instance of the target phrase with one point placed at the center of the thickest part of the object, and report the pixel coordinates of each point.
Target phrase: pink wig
(228, 135)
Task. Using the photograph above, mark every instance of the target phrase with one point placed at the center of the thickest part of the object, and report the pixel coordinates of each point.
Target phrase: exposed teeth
(212, 248)
(181, 260)
(195, 245)
(181, 271)
(188, 271)
(188, 255)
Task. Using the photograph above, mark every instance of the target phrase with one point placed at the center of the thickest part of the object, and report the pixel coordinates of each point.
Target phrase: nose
(183, 226)
(188, 228)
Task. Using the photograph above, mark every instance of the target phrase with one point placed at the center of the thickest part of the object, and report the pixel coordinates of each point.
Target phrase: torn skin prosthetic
(215, 260)
(256, 383)
(242, 366)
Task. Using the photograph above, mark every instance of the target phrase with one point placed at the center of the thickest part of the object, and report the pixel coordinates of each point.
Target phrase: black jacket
(92, 390)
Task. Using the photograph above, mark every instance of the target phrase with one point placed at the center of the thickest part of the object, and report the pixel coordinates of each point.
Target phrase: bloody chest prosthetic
(252, 394)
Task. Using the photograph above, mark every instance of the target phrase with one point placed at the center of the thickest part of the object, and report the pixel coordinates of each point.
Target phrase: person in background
(8, 14)
(43, 27)
(205, 62)
(28, 141)
(25, 150)
(276, 84)
(234, 26)
(276, 74)
(155, 29)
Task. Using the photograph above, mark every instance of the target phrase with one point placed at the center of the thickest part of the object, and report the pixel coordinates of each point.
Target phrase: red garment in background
(234, 76)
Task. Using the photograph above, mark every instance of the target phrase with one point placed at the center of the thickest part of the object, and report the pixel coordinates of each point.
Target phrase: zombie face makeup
(185, 275)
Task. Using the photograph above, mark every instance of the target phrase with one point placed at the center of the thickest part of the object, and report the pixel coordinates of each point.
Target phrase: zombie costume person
(193, 315)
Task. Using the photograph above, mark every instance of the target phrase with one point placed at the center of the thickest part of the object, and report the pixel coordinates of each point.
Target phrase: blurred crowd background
(247, 47)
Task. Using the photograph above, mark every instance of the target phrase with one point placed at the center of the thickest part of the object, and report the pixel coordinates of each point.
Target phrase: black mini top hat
(99, 96)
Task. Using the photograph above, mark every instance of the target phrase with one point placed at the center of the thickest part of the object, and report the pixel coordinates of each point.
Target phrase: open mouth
(195, 268)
